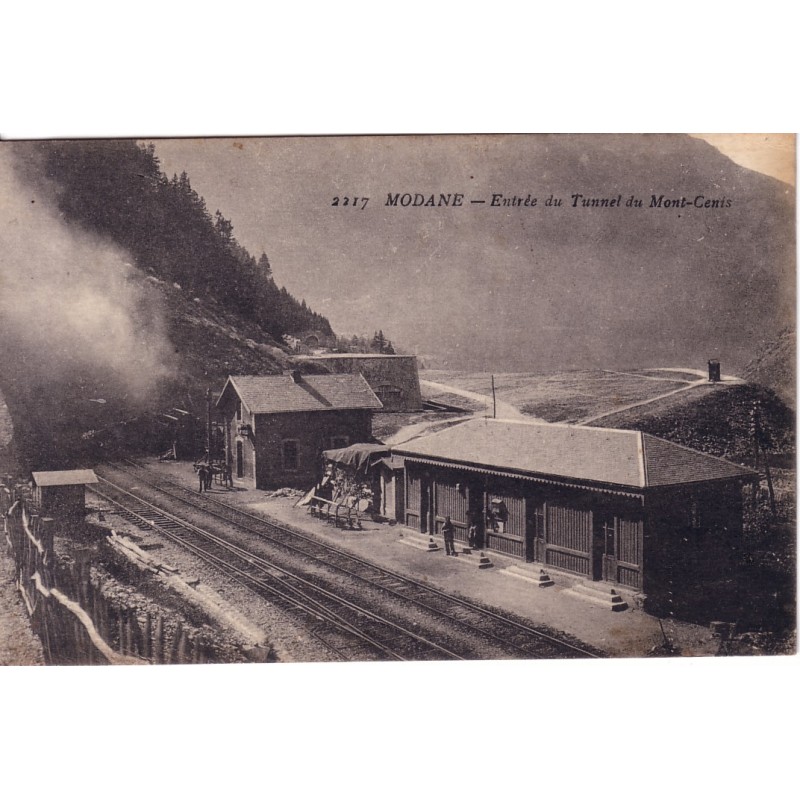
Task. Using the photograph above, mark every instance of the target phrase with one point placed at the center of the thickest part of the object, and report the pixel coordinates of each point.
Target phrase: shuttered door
(629, 567)
(569, 536)
(451, 502)
(413, 500)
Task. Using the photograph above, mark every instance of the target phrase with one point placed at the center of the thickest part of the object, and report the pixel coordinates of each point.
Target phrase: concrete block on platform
(598, 595)
(541, 578)
(420, 542)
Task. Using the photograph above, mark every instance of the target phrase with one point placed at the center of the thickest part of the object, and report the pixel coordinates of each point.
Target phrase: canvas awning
(357, 456)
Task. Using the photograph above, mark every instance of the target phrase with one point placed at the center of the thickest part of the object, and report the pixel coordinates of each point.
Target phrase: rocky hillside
(122, 299)
(717, 421)
(774, 366)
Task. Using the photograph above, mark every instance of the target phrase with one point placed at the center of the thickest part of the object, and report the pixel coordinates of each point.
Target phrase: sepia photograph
(298, 399)
(398, 401)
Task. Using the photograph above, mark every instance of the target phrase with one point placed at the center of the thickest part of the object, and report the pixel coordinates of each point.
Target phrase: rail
(402, 586)
(290, 587)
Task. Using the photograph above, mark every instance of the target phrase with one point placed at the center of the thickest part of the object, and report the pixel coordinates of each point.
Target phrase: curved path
(504, 410)
(507, 411)
(701, 381)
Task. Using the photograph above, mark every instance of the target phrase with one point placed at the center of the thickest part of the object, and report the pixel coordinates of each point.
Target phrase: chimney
(296, 376)
(714, 371)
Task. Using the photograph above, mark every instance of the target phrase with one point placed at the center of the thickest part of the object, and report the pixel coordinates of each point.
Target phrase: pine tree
(264, 266)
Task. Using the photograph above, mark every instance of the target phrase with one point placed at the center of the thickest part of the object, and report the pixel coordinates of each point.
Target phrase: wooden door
(389, 507)
(534, 529)
(239, 460)
(425, 502)
(605, 547)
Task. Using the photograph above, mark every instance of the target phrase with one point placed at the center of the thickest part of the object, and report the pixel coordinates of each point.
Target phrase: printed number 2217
(354, 202)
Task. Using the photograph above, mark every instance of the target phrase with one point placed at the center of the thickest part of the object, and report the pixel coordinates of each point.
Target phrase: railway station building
(277, 426)
(601, 504)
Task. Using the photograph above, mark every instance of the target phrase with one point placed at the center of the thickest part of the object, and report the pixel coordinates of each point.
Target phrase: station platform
(583, 609)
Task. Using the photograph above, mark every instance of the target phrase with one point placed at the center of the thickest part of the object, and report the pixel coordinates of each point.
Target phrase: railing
(509, 545)
(561, 558)
(67, 631)
(338, 514)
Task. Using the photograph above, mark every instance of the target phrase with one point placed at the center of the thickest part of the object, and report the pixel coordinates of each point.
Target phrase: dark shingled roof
(275, 394)
(603, 455)
(667, 463)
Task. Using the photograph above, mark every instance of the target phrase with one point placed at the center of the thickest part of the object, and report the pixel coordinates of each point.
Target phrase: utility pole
(494, 401)
(208, 424)
(758, 437)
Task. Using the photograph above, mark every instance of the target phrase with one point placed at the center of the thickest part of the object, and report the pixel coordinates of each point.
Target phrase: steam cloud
(69, 302)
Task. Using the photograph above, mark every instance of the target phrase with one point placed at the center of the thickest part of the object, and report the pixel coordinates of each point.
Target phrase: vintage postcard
(397, 398)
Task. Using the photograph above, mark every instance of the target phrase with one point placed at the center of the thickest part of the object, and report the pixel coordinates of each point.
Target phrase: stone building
(277, 426)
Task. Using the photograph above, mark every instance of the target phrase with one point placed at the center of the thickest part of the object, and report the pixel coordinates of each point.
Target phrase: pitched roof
(65, 477)
(603, 455)
(667, 463)
(275, 394)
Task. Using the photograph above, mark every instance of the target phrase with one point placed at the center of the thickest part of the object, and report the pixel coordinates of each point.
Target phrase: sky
(772, 154)
(379, 267)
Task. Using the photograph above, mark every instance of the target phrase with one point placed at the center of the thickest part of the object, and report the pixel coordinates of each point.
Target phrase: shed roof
(275, 394)
(65, 477)
(603, 455)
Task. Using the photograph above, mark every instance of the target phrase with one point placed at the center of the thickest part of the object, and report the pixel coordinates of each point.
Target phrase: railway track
(353, 632)
(366, 585)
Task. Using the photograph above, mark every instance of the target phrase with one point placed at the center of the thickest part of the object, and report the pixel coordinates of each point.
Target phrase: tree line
(117, 189)
(364, 344)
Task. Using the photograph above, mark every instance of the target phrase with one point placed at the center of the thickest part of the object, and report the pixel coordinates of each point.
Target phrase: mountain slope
(516, 288)
(774, 366)
(94, 340)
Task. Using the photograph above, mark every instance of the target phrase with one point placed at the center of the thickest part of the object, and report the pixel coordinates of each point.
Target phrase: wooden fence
(78, 624)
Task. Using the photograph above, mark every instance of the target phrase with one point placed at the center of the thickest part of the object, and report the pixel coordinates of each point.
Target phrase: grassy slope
(560, 396)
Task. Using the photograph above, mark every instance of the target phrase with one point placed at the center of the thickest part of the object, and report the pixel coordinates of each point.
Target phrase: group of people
(206, 472)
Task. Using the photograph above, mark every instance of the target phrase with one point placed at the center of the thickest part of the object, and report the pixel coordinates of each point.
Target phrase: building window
(390, 396)
(239, 410)
(291, 455)
(338, 442)
(496, 515)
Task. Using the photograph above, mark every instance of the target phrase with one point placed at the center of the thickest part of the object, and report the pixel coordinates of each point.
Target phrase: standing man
(201, 474)
(448, 531)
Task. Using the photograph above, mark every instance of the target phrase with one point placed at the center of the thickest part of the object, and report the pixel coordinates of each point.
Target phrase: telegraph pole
(208, 424)
(494, 401)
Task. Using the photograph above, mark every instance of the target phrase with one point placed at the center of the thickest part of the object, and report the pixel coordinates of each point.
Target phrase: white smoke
(68, 299)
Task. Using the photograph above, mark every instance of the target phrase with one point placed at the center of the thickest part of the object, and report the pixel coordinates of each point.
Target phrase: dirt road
(504, 410)
(701, 381)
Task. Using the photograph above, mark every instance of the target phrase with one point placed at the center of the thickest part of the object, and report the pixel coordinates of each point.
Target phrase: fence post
(183, 648)
(158, 641)
(147, 637)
